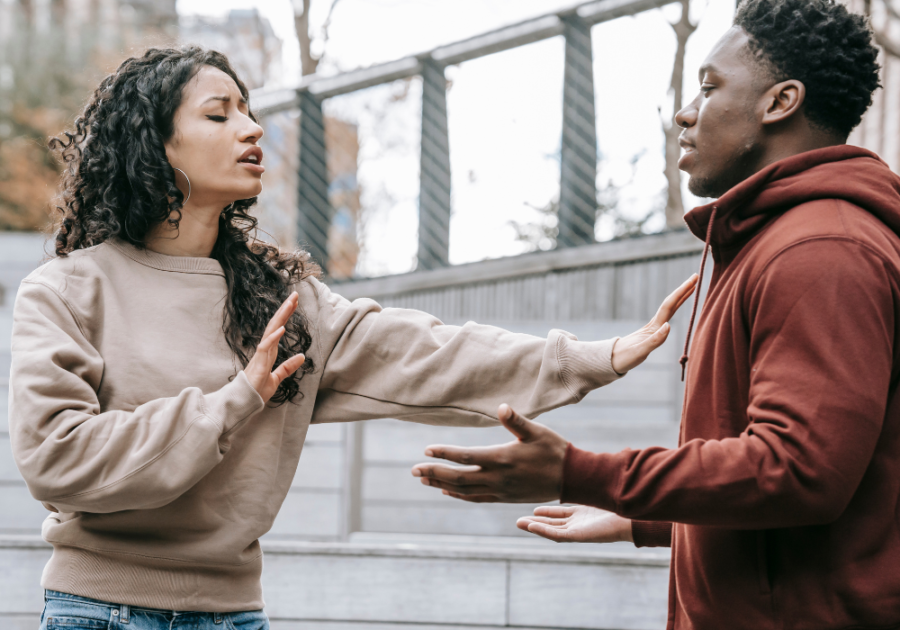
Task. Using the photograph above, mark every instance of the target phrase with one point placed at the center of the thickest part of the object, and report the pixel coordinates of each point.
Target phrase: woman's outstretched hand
(259, 371)
(629, 352)
(577, 523)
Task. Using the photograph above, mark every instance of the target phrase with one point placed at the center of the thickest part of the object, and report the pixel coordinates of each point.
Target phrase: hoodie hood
(840, 172)
(853, 174)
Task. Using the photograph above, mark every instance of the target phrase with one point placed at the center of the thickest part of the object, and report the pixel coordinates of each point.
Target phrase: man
(782, 502)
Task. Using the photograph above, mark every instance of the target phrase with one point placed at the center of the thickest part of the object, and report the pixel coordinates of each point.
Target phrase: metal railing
(578, 158)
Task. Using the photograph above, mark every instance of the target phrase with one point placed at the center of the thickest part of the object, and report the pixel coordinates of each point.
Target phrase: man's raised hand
(526, 470)
(632, 350)
(259, 370)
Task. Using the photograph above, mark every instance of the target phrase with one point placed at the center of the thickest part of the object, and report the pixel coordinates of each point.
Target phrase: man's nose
(687, 117)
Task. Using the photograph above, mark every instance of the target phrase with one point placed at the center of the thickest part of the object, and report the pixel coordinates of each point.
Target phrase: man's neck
(788, 145)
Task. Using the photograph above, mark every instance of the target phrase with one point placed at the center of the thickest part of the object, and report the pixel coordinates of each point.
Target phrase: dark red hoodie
(785, 490)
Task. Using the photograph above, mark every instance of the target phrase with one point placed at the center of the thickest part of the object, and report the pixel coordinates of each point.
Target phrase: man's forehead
(727, 54)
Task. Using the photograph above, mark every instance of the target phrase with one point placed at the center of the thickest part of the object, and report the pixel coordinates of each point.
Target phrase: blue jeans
(70, 612)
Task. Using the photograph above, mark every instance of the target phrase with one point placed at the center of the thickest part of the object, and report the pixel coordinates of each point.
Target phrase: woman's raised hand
(259, 371)
(629, 352)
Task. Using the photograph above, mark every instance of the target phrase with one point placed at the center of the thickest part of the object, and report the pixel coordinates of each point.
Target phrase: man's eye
(218, 118)
(706, 89)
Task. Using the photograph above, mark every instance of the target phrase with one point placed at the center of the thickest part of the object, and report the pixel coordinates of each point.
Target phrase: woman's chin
(249, 192)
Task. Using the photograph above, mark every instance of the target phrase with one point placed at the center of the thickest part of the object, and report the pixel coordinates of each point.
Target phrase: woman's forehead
(211, 84)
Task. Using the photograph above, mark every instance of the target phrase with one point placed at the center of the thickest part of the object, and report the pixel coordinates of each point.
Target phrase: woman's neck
(195, 236)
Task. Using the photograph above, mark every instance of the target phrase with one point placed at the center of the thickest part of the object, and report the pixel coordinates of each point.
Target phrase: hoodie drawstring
(687, 341)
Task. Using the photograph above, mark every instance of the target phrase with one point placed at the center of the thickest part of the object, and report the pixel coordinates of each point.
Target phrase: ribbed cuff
(586, 365)
(651, 534)
(234, 403)
(589, 479)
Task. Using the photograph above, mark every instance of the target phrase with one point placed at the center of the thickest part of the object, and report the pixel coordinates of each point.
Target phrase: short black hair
(824, 46)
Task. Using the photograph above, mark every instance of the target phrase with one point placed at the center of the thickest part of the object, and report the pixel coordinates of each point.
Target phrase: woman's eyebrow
(224, 99)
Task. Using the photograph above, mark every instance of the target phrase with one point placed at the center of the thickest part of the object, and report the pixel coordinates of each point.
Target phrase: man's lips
(685, 144)
(690, 150)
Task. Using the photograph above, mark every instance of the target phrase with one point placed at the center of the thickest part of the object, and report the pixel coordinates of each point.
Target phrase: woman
(167, 365)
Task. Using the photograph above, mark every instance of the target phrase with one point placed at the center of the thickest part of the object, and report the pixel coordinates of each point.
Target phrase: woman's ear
(783, 100)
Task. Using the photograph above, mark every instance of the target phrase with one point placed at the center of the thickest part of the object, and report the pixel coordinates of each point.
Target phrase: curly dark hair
(824, 46)
(117, 182)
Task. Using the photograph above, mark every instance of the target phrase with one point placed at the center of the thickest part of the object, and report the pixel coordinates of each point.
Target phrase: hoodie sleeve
(406, 364)
(821, 323)
(76, 457)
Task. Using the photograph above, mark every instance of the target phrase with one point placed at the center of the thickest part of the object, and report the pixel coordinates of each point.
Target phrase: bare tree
(683, 28)
(309, 62)
(51, 58)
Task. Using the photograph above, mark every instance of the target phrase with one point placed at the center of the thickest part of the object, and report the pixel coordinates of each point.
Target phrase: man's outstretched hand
(530, 468)
(526, 470)
(577, 523)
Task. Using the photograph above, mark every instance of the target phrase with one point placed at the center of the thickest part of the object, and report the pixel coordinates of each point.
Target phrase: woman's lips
(259, 169)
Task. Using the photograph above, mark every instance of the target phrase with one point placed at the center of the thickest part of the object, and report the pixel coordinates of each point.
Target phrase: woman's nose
(252, 133)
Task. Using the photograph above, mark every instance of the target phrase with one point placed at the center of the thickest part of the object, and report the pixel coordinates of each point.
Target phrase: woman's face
(215, 141)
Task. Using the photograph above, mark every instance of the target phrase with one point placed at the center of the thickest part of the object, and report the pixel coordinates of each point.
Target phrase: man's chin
(706, 187)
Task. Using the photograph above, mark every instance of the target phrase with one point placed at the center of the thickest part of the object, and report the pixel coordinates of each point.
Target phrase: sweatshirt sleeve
(821, 325)
(406, 364)
(74, 456)
(651, 534)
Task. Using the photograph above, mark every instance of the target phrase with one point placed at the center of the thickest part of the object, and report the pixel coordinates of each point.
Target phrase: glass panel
(505, 121)
(372, 140)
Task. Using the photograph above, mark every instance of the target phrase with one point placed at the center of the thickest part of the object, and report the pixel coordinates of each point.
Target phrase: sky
(504, 110)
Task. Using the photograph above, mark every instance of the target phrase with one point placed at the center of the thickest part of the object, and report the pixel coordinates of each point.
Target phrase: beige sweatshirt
(131, 420)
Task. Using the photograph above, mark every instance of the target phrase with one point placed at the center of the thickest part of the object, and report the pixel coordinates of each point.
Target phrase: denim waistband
(123, 611)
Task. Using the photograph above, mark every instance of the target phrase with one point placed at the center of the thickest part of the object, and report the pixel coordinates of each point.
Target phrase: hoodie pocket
(762, 562)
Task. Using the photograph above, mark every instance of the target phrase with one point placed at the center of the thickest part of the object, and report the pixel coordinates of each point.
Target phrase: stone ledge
(511, 551)
(649, 247)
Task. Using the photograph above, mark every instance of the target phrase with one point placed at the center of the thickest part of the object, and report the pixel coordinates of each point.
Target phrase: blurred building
(246, 37)
(342, 141)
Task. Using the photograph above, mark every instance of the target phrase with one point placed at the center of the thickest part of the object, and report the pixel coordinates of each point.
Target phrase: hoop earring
(189, 184)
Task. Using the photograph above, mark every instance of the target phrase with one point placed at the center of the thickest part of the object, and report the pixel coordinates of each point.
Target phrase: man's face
(723, 128)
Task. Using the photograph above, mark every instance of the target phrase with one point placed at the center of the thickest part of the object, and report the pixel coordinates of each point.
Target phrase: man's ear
(783, 100)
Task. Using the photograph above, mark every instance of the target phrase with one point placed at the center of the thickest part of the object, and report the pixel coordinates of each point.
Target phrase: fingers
(449, 477)
(558, 522)
(288, 367)
(549, 532)
(270, 341)
(657, 339)
(675, 299)
(474, 499)
(283, 314)
(476, 456)
(519, 426)
(554, 511)
(460, 491)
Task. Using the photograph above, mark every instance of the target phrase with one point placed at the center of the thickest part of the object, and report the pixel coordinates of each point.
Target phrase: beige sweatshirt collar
(178, 264)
